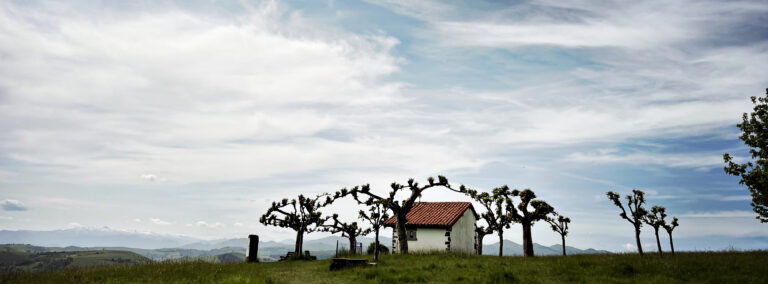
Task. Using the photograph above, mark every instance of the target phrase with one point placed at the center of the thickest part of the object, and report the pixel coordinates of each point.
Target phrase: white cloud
(687, 160)
(157, 221)
(6, 218)
(199, 98)
(238, 224)
(12, 205)
(736, 198)
(637, 25)
(137, 220)
(149, 177)
(720, 214)
(208, 225)
(74, 225)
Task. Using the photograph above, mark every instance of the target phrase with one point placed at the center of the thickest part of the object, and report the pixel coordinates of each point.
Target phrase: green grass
(701, 267)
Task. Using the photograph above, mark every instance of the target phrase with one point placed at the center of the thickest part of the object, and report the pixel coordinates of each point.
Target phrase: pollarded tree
(498, 212)
(559, 224)
(655, 219)
(754, 129)
(349, 230)
(636, 211)
(376, 216)
(540, 211)
(670, 227)
(480, 233)
(302, 215)
(400, 210)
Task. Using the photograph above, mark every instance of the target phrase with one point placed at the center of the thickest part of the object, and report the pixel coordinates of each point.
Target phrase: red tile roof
(434, 214)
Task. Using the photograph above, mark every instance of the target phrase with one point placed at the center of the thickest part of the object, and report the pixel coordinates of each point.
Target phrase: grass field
(703, 267)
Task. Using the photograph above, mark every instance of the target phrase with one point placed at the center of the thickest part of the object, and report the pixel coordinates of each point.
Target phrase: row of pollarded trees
(637, 215)
(303, 215)
(501, 212)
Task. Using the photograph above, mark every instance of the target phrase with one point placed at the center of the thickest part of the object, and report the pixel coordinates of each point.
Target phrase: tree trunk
(671, 245)
(299, 243)
(501, 242)
(637, 239)
(402, 236)
(563, 237)
(352, 245)
(376, 249)
(527, 240)
(479, 241)
(658, 244)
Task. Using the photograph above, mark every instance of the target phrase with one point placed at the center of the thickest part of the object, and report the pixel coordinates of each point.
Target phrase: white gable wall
(463, 233)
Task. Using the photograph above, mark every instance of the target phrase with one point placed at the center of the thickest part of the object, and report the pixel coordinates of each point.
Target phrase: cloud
(646, 72)
(149, 177)
(103, 103)
(238, 224)
(157, 221)
(720, 214)
(12, 205)
(736, 198)
(639, 25)
(675, 160)
(201, 97)
(208, 225)
(137, 220)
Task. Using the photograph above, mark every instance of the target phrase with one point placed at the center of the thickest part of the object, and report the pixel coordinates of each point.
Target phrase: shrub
(382, 248)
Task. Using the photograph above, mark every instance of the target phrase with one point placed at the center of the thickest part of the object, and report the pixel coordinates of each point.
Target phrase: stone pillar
(253, 249)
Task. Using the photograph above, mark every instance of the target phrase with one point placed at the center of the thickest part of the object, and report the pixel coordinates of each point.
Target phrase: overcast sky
(190, 117)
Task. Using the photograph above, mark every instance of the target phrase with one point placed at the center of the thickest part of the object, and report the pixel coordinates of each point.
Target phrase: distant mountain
(94, 237)
(513, 248)
(157, 246)
(326, 243)
(268, 250)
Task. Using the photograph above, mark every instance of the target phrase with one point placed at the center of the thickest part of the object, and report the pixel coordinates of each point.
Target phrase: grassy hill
(700, 267)
(39, 261)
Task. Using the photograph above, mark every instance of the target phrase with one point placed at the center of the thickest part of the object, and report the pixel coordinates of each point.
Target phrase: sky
(191, 117)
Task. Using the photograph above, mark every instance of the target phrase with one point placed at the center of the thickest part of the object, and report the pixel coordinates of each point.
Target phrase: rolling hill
(42, 261)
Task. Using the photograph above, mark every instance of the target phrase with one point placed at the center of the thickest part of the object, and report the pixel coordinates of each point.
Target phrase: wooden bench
(341, 263)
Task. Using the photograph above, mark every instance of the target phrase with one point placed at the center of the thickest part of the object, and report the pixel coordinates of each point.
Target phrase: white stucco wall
(463, 233)
(428, 239)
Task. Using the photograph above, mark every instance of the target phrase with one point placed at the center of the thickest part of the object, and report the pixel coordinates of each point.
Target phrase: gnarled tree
(349, 230)
(670, 227)
(363, 195)
(636, 211)
(754, 129)
(302, 215)
(480, 233)
(559, 224)
(655, 219)
(376, 216)
(498, 213)
(540, 211)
